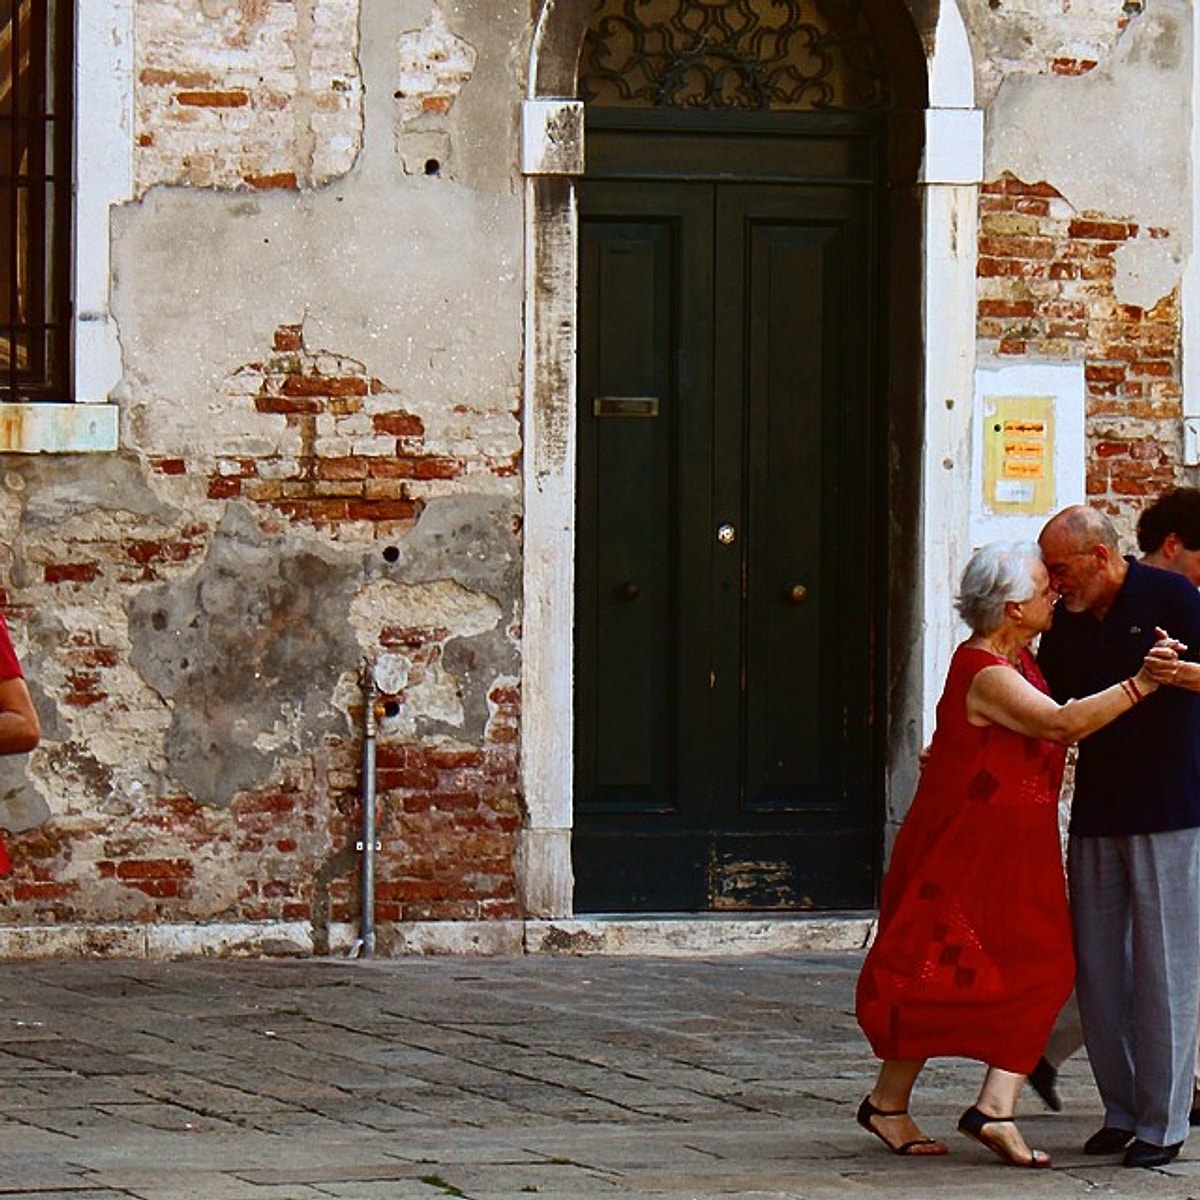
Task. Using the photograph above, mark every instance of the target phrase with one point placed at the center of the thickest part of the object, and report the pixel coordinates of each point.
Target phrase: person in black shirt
(1134, 849)
(1168, 535)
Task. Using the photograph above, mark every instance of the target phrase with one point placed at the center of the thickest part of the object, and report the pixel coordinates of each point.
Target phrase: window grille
(782, 55)
(36, 57)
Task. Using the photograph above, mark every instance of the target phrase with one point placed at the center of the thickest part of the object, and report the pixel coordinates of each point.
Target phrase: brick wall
(447, 821)
(1046, 291)
(334, 453)
(258, 93)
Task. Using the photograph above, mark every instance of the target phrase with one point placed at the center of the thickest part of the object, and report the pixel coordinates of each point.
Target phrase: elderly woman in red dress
(973, 957)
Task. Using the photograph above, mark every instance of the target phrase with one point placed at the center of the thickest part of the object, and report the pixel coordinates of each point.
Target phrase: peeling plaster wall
(1012, 38)
(1086, 218)
(1100, 138)
(318, 295)
(261, 93)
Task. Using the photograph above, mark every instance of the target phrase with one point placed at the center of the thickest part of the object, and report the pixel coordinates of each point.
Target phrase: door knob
(726, 534)
(627, 591)
(797, 594)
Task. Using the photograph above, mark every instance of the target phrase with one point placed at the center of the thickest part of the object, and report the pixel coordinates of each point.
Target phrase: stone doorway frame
(552, 156)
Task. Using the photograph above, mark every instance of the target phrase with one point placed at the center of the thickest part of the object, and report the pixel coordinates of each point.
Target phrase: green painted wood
(726, 754)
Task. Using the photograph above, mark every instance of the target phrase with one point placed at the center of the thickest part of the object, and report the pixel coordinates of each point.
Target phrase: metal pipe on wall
(364, 947)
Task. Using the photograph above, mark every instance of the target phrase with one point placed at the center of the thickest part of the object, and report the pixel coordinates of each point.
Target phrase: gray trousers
(1135, 905)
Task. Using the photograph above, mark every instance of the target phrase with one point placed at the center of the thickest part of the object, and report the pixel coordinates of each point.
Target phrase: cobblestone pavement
(484, 1078)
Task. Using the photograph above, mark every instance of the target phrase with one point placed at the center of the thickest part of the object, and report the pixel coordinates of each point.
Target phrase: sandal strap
(973, 1120)
(867, 1110)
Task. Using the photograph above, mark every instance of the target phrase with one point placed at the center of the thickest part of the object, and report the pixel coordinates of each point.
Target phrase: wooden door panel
(803, 254)
(725, 752)
(639, 608)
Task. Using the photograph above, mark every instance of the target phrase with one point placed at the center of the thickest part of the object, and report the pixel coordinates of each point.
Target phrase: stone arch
(561, 25)
(554, 117)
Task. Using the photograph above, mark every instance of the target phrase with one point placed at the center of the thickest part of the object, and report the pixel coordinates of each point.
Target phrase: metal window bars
(36, 94)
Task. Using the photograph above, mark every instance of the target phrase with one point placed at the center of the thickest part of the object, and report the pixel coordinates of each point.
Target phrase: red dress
(10, 668)
(973, 956)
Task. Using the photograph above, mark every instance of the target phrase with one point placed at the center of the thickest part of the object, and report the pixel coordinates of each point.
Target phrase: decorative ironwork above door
(782, 55)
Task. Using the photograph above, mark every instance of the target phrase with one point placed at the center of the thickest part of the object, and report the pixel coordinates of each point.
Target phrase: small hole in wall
(391, 553)
(432, 166)
(391, 708)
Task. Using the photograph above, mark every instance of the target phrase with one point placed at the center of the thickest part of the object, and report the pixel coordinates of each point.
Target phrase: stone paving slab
(487, 1079)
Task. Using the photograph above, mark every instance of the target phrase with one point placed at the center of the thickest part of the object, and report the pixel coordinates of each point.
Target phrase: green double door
(727, 638)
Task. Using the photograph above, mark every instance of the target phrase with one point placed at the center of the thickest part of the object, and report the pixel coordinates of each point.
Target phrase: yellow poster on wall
(1018, 454)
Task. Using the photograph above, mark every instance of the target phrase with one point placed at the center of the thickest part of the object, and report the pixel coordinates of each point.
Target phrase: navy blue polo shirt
(1141, 773)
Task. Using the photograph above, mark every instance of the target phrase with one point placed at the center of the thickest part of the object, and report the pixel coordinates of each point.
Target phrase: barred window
(36, 156)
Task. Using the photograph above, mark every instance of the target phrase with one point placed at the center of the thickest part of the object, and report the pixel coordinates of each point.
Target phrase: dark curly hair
(1176, 512)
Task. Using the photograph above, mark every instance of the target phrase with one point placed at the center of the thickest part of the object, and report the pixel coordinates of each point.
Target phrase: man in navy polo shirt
(1133, 858)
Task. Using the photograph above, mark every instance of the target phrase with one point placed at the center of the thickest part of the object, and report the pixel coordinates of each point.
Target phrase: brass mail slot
(625, 406)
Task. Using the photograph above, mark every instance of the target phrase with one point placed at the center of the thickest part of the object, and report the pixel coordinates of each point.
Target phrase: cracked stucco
(1102, 140)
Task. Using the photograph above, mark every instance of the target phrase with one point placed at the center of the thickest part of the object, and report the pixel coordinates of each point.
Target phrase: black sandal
(973, 1123)
(867, 1112)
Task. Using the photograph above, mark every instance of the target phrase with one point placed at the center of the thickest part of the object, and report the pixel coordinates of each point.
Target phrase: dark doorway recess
(735, 309)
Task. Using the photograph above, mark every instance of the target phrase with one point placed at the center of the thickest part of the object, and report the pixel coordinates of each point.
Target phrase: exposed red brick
(155, 868)
(1096, 372)
(1006, 308)
(286, 405)
(70, 572)
(221, 488)
(1013, 186)
(1153, 367)
(157, 888)
(1097, 230)
(318, 511)
(161, 77)
(325, 385)
(213, 99)
(406, 777)
(266, 802)
(24, 891)
(160, 551)
(289, 337)
(1016, 247)
(1072, 66)
(452, 759)
(381, 510)
(398, 424)
(280, 181)
(430, 467)
(94, 656)
(349, 467)
(1032, 206)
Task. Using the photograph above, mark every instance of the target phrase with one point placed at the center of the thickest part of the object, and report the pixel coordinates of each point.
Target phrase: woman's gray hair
(997, 573)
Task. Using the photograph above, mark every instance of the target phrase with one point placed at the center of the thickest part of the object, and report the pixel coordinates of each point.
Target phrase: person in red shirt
(19, 728)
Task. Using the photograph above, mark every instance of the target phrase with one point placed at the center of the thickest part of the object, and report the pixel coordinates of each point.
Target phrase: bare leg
(890, 1096)
(998, 1099)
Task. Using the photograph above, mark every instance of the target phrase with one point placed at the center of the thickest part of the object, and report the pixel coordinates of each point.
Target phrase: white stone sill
(665, 936)
(58, 428)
